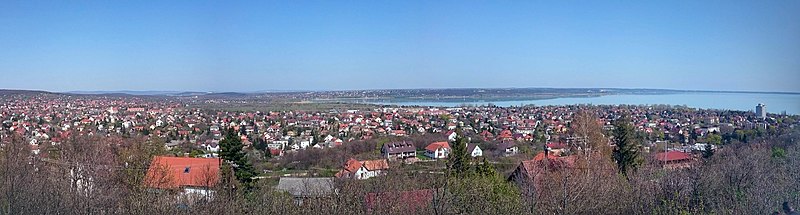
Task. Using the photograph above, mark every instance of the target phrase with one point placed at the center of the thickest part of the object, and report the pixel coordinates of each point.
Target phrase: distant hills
(135, 93)
(165, 93)
(393, 93)
(25, 92)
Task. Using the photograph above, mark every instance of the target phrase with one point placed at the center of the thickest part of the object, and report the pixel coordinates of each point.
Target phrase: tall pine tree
(626, 153)
(231, 151)
(458, 158)
(485, 169)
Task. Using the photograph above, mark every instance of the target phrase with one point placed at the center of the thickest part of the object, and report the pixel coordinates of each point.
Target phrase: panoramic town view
(400, 107)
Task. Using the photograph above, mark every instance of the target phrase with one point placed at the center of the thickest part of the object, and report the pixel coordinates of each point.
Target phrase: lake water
(776, 103)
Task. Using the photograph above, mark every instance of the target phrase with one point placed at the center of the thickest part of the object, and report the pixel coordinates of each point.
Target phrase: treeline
(101, 175)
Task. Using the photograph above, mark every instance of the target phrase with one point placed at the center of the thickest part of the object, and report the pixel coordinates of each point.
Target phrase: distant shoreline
(451, 99)
(175, 92)
(776, 102)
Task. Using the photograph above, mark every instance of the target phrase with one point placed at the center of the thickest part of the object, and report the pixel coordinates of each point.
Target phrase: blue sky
(331, 45)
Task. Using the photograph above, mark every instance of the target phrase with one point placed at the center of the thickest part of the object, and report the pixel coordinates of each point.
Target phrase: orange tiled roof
(352, 165)
(376, 165)
(175, 172)
(437, 145)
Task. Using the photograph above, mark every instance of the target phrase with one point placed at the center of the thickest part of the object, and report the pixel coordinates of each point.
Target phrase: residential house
(172, 144)
(305, 142)
(702, 147)
(191, 176)
(305, 189)
(399, 150)
(451, 135)
(276, 152)
(528, 174)
(505, 135)
(556, 147)
(363, 169)
(474, 150)
(212, 147)
(674, 159)
(509, 148)
(487, 135)
(277, 144)
(437, 150)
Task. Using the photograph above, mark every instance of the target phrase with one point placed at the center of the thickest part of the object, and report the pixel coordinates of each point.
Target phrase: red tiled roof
(175, 172)
(352, 165)
(437, 145)
(673, 156)
(535, 166)
(373, 165)
(541, 156)
(554, 145)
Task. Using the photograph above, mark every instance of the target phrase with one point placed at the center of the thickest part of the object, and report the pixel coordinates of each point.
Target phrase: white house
(437, 150)
(474, 150)
(213, 147)
(355, 169)
(452, 135)
(305, 143)
(510, 148)
(277, 144)
(328, 138)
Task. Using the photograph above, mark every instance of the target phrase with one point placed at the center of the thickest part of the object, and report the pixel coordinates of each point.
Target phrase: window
(186, 170)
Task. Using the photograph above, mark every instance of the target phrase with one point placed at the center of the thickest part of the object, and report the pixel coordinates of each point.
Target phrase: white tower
(761, 111)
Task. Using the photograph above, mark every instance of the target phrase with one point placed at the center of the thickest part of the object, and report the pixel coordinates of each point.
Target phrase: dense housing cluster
(313, 154)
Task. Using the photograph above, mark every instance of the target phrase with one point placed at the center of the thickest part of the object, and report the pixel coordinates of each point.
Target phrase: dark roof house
(399, 150)
(306, 188)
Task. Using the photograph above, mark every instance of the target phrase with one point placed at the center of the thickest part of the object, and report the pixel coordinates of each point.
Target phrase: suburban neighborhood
(306, 153)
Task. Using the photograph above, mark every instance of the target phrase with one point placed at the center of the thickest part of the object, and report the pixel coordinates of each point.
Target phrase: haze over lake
(776, 102)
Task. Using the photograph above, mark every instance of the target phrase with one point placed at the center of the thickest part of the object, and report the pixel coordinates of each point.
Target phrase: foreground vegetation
(104, 175)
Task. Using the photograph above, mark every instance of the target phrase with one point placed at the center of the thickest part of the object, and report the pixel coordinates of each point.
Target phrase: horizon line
(89, 92)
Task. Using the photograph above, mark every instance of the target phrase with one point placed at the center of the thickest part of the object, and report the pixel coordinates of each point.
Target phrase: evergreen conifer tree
(626, 153)
(458, 158)
(231, 151)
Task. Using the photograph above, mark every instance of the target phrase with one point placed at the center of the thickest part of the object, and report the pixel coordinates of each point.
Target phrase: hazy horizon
(157, 91)
(323, 90)
(203, 46)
